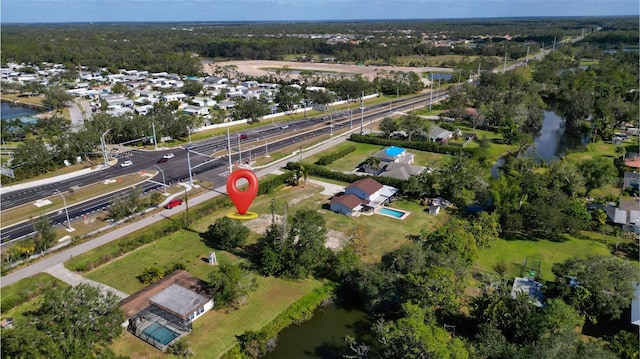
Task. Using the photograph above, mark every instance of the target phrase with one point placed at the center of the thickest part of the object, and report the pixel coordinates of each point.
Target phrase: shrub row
(320, 171)
(298, 312)
(328, 159)
(416, 145)
(128, 244)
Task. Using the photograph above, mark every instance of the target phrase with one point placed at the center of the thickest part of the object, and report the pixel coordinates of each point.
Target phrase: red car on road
(173, 203)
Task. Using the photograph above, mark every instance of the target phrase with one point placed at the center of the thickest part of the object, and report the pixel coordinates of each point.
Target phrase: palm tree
(373, 163)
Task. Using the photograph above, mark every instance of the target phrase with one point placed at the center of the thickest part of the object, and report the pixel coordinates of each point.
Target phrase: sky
(56, 11)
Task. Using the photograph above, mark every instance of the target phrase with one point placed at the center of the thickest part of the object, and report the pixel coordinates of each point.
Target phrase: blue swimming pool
(160, 333)
(391, 212)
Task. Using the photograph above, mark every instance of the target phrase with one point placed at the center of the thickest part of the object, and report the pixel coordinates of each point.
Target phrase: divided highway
(203, 166)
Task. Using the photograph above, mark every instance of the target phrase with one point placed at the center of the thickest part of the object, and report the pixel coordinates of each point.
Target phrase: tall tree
(288, 98)
(78, 322)
(604, 285)
(226, 234)
(231, 285)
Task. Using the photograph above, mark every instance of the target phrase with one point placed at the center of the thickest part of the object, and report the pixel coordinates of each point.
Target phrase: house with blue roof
(394, 154)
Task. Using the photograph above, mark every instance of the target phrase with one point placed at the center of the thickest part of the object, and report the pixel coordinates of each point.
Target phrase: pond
(439, 76)
(10, 111)
(552, 141)
(322, 336)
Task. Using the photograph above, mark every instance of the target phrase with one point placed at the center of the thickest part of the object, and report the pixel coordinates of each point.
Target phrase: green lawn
(349, 162)
(514, 252)
(182, 247)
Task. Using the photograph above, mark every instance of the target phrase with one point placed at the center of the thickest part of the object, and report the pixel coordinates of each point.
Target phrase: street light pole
(239, 151)
(164, 181)
(104, 147)
(189, 165)
(155, 139)
(69, 228)
(331, 122)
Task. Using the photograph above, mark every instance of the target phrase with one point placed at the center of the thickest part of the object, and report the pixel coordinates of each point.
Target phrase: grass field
(513, 253)
(363, 150)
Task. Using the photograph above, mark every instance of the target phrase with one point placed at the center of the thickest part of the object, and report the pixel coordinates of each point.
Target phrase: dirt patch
(260, 225)
(262, 68)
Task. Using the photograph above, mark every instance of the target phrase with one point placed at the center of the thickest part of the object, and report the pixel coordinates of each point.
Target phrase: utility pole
(431, 92)
(526, 59)
(189, 165)
(229, 152)
(504, 67)
(239, 151)
(362, 113)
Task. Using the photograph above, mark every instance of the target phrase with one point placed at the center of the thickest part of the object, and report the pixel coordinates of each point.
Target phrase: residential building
(348, 204)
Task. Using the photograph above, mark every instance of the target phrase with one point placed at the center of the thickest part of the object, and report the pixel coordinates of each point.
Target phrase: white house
(176, 96)
(203, 101)
(195, 110)
(394, 154)
(348, 204)
(371, 191)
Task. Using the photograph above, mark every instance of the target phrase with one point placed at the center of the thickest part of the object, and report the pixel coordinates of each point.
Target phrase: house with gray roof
(394, 154)
(438, 134)
(627, 214)
(631, 180)
(401, 171)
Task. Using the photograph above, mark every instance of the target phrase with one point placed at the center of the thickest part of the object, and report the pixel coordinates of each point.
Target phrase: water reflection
(322, 336)
(552, 141)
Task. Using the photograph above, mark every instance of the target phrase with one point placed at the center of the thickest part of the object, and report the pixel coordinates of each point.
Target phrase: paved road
(59, 258)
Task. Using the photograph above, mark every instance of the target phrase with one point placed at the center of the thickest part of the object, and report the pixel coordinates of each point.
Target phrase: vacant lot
(513, 253)
(266, 67)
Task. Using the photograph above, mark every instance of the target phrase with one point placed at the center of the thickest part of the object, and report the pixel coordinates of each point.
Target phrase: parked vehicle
(168, 156)
(173, 203)
(126, 164)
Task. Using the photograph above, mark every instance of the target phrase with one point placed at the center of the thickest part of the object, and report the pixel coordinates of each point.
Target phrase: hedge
(328, 159)
(297, 313)
(416, 145)
(154, 232)
(320, 171)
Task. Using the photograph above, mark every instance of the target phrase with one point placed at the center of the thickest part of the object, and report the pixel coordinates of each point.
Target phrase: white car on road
(126, 164)
(168, 156)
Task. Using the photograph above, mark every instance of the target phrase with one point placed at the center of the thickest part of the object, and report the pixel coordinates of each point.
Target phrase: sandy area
(259, 68)
(259, 225)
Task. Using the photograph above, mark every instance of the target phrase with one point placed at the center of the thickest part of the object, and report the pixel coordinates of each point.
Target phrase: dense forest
(176, 47)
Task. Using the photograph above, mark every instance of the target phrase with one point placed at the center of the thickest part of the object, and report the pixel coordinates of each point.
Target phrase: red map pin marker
(242, 199)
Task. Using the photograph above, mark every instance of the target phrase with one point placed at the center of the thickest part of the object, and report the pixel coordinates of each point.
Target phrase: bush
(320, 171)
(416, 145)
(328, 159)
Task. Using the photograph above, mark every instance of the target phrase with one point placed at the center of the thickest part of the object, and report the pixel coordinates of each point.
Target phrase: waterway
(553, 141)
(9, 111)
(550, 143)
(321, 337)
